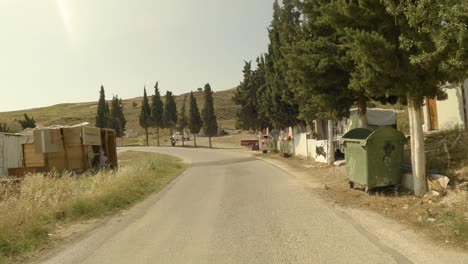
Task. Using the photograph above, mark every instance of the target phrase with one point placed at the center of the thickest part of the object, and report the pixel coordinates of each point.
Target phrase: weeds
(32, 209)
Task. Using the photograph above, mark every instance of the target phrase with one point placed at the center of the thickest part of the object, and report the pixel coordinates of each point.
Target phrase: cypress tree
(276, 101)
(170, 112)
(157, 110)
(118, 121)
(4, 128)
(183, 122)
(210, 125)
(246, 95)
(319, 70)
(195, 123)
(102, 115)
(145, 115)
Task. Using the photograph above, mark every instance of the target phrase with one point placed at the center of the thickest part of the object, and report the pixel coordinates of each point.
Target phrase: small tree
(170, 112)
(102, 115)
(200, 90)
(157, 110)
(210, 125)
(183, 122)
(118, 121)
(4, 128)
(145, 115)
(195, 123)
(134, 104)
(27, 122)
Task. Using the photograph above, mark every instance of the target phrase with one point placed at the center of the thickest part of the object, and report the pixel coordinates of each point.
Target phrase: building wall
(10, 153)
(451, 112)
(300, 144)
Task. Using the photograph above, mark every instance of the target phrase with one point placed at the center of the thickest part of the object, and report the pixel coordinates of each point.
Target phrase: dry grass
(32, 209)
(444, 219)
(71, 114)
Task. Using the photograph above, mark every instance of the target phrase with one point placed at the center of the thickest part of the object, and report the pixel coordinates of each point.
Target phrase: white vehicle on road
(178, 136)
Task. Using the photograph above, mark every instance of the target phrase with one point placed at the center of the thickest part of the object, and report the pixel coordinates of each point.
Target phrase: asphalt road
(229, 208)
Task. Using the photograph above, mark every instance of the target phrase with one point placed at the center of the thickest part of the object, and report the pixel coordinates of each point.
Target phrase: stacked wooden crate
(69, 148)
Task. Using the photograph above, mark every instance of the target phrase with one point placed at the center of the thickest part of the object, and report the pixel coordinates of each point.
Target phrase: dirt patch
(443, 219)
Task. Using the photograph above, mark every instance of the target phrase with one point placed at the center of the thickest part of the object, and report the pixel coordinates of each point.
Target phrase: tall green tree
(4, 128)
(318, 68)
(145, 115)
(353, 20)
(170, 112)
(210, 125)
(276, 101)
(248, 116)
(431, 50)
(102, 115)
(157, 110)
(27, 122)
(195, 122)
(183, 121)
(416, 47)
(118, 121)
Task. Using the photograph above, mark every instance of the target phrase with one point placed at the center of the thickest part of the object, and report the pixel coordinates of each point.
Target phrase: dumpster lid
(357, 133)
(387, 132)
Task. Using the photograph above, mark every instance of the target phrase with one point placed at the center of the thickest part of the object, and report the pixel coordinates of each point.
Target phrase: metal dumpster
(374, 158)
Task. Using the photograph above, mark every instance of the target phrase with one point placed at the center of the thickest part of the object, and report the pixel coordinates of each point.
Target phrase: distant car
(178, 136)
(224, 132)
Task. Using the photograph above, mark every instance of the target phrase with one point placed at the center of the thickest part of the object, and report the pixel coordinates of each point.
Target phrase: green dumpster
(374, 158)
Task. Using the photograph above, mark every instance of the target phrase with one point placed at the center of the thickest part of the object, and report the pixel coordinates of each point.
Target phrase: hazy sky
(58, 51)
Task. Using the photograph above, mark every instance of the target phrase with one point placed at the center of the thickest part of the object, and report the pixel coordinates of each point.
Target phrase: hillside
(70, 114)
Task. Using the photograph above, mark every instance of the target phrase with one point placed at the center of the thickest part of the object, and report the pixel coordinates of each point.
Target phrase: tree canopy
(210, 125)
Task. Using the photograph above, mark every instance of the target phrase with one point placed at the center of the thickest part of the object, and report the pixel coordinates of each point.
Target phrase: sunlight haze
(61, 51)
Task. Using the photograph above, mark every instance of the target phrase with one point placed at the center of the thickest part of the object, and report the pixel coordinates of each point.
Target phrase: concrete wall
(300, 144)
(451, 112)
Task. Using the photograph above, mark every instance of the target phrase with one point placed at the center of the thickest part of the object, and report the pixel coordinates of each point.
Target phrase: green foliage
(134, 104)
(210, 125)
(276, 98)
(248, 117)
(194, 123)
(170, 112)
(103, 113)
(318, 68)
(118, 121)
(145, 113)
(157, 108)
(4, 128)
(27, 122)
(183, 121)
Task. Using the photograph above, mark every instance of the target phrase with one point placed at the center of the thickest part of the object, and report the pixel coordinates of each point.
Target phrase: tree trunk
(147, 139)
(195, 140)
(183, 138)
(157, 133)
(362, 111)
(331, 151)
(418, 155)
(209, 140)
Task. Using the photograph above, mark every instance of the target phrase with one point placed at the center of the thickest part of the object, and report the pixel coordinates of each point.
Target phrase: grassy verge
(29, 211)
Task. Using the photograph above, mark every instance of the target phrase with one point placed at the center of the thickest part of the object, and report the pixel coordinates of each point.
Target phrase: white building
(447, 114)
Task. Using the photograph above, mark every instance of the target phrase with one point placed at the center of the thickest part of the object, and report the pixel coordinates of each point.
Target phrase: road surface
(230, 208)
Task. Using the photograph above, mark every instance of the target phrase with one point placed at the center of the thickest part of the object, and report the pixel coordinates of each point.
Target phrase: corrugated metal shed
(11, 154)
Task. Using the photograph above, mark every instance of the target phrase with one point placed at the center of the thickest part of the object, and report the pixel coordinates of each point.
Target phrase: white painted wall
(11, 154)
(450, 112)
(300, 144)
